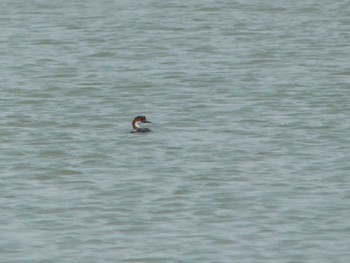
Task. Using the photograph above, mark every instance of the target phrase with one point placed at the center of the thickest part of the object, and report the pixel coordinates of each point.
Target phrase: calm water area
(249, 158)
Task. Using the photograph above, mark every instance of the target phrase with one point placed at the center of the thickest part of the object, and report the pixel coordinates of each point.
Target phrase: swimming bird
(136, 124)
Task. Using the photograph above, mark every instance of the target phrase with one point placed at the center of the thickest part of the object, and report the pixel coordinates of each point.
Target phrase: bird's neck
(135, 124)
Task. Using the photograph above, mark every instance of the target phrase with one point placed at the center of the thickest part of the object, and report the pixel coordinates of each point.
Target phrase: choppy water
(249, 158)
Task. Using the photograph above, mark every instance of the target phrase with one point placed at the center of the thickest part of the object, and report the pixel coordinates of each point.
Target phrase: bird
(136, 125)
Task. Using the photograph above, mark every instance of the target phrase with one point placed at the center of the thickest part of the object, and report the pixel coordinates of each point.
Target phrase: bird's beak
(147, 122)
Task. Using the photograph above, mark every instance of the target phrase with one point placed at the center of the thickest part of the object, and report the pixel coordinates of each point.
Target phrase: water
(249, 158)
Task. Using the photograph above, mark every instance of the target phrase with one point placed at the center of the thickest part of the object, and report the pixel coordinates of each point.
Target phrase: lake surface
(249, 158)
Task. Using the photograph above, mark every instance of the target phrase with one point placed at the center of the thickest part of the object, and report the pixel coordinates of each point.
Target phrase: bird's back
(141, 130)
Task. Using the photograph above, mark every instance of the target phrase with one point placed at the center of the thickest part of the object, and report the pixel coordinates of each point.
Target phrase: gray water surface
(250, 156)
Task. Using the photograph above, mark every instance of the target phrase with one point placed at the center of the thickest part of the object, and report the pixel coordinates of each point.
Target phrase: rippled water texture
(249, 158)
